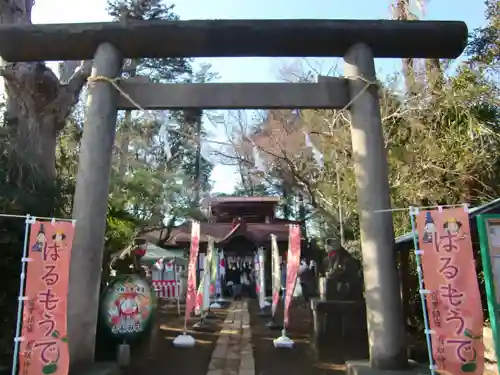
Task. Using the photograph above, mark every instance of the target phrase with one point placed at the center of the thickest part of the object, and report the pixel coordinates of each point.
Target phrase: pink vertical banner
(44, 348)
(453, 300)
(191, 283)
(292, 267)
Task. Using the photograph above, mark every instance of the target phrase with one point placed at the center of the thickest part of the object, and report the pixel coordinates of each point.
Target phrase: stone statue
(344, 278)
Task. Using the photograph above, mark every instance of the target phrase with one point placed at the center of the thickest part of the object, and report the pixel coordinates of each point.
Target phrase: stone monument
(344, 275)
(339, 314)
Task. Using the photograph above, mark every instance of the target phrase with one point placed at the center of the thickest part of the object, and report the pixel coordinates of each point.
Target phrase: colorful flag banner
(214, 267)
(258, 162)
(206, 293)
(452, 291)
(292, 268)
(199, 294)
(317, 155)
(44, 345)
(159, 264)
(256, 268)
(207, 274)
(169, 266)
(262, 278)
(218, 286)
(191, 284)
(222, 264)
(276, 281)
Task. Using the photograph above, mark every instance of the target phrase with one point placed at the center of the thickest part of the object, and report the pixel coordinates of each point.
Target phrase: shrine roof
(232, 200)
(223, 232)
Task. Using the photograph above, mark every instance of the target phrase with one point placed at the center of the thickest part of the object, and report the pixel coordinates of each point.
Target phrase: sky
(264, 69)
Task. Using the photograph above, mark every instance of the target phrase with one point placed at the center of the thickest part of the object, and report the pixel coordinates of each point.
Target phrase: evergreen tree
(162, 148)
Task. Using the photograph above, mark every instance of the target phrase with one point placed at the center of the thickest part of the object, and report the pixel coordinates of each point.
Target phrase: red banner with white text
(453, 299)
(191, 283)
(292, 267)
(44, 345)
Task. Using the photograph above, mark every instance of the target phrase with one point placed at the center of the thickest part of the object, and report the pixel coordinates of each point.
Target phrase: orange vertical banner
(44, 345)
(453, 299)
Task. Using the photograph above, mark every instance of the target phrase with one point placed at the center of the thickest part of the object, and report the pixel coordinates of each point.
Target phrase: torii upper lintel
(234, 38)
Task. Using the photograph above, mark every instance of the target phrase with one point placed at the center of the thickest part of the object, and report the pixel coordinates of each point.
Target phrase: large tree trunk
(38, 103)
(433, 70)
(402, 12)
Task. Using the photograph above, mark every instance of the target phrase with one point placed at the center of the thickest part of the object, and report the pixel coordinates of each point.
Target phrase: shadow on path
(160, 357)
(300, 360)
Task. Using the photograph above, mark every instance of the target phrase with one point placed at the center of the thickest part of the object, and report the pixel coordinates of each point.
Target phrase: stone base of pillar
(363, 368)
(339, 330)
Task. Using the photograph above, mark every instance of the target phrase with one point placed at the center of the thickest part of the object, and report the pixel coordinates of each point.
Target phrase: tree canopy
(442, 141)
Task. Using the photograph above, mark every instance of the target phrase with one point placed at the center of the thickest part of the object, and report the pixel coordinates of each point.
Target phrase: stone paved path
(233, 354)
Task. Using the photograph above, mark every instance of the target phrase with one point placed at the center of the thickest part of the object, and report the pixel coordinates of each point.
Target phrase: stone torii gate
(359, 42)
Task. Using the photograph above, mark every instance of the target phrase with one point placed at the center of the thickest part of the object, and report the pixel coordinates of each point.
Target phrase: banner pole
(40, 218)
(262, 279)
(418, 253)
(20, 298)
(465, 205)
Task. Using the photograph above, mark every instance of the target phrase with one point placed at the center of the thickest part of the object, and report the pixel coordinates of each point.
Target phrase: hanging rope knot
(369, 84)
(114, 83)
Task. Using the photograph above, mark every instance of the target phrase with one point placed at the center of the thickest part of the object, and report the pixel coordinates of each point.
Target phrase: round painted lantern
(128, 305)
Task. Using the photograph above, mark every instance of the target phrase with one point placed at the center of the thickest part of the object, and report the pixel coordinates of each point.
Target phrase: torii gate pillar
(91, 204)
(386, 331)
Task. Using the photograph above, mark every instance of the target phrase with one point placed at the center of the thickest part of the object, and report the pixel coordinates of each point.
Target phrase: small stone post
(386, 332)
(90, 206)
